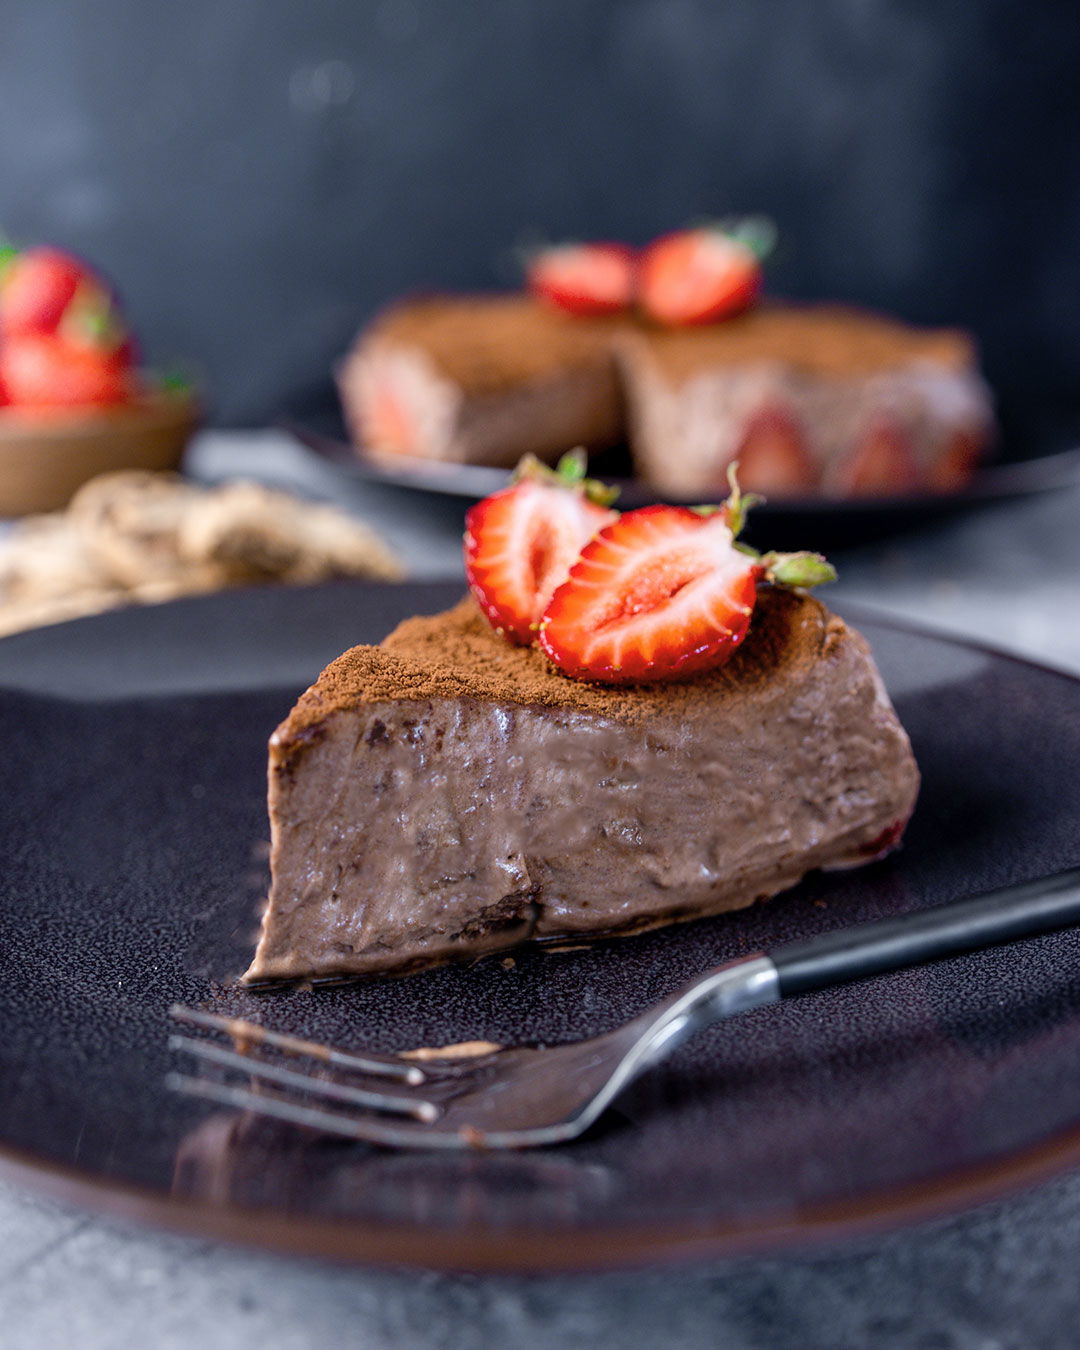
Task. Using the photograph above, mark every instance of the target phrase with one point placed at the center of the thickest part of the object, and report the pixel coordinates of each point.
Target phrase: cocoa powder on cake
(823, 340)
(488, 343)
(456, 654)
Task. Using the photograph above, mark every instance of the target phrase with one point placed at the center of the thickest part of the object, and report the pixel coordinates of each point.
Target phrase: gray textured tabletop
(1002, 1276)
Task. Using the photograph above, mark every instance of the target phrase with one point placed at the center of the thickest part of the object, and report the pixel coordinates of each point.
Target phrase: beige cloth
(135, 537)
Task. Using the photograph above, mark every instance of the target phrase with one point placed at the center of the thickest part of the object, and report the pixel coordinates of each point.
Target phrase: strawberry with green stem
(665, 592)
(704, 274)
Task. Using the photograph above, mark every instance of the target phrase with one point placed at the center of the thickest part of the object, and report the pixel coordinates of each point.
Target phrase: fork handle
(867, 949)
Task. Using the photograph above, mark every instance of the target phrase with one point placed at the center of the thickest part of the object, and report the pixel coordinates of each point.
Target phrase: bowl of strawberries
(74, 402)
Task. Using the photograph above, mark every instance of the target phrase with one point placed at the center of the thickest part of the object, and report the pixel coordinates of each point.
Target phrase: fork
(531, 1096)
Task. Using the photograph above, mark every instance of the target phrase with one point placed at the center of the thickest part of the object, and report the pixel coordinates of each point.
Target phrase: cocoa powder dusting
(828, 340)
(457, 655)
(487, 343)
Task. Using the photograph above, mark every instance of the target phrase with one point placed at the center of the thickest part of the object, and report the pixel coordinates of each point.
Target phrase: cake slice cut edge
(445, 795)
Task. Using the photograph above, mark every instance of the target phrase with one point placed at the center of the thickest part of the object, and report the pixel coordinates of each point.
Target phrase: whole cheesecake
(447, 794)
(811, 400)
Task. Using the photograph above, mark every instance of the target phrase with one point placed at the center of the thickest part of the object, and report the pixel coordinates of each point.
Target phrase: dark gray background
(257, 176)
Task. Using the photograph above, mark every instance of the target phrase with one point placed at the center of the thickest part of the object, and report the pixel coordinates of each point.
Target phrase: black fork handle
(856, 953)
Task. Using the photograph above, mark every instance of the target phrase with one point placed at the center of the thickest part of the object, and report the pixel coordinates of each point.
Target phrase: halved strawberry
(584, 278)
(663, 592)
(773, 457)
(36, 287)
(660, 592)
(881, 465)
(697, 276)
(521, 542)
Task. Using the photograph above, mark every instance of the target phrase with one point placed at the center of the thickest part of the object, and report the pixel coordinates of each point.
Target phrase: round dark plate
(134, 827)
(783, 522)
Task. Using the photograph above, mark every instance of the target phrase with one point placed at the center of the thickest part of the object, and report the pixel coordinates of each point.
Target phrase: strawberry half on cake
(632, 720)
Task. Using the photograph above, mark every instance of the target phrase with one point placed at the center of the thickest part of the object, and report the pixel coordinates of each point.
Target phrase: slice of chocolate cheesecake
(447, 794)
(481, 380)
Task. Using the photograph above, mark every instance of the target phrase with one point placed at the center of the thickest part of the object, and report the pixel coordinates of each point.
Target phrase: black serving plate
(779, 522)
(134, 829)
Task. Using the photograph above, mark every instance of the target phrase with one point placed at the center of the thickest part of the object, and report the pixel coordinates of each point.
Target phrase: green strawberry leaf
(739, 504)
(568, 473)
(8, 254)
(798, 569)
(758, 233)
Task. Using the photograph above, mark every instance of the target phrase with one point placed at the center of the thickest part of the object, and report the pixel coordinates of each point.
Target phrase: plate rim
(995, 480)
(589, 1248)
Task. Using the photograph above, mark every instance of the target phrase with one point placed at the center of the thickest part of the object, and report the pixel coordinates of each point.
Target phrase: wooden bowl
(46, 455)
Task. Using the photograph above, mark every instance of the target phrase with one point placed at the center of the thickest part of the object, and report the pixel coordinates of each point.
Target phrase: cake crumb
(461, 1050)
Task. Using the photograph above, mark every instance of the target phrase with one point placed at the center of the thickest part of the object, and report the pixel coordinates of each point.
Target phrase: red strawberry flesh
(661, 592)
(46, 372)
(773, 457)
(698, 276)
(584, 278)
(881, 465)
(519, 546)
(38, 285)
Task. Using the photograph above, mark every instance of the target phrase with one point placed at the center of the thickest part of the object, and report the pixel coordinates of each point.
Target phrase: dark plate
(783, 522)
(134, 824)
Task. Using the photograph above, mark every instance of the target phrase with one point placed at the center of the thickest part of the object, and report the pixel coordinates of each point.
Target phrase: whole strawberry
(36, 288)
(46, 371)
(521, 542)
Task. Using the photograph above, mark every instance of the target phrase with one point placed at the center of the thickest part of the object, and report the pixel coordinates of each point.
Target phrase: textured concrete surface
(1000, 1278)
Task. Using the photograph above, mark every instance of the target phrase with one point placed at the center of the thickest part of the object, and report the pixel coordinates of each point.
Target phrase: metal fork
(530, 1096)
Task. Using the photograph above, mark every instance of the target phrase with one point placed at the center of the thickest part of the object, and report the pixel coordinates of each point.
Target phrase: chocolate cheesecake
(812, 400)
(446, 794)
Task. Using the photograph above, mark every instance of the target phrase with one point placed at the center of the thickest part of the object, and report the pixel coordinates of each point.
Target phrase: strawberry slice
(882, 464)
(387, 424)
(955, 465)
(521, 542)
(36, 288)
(773, 456)
(663, 592)
(660, 592)
(584, 278)
(698, 276)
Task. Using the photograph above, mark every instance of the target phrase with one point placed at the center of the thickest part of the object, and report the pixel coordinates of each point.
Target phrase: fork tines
(310, 1084)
